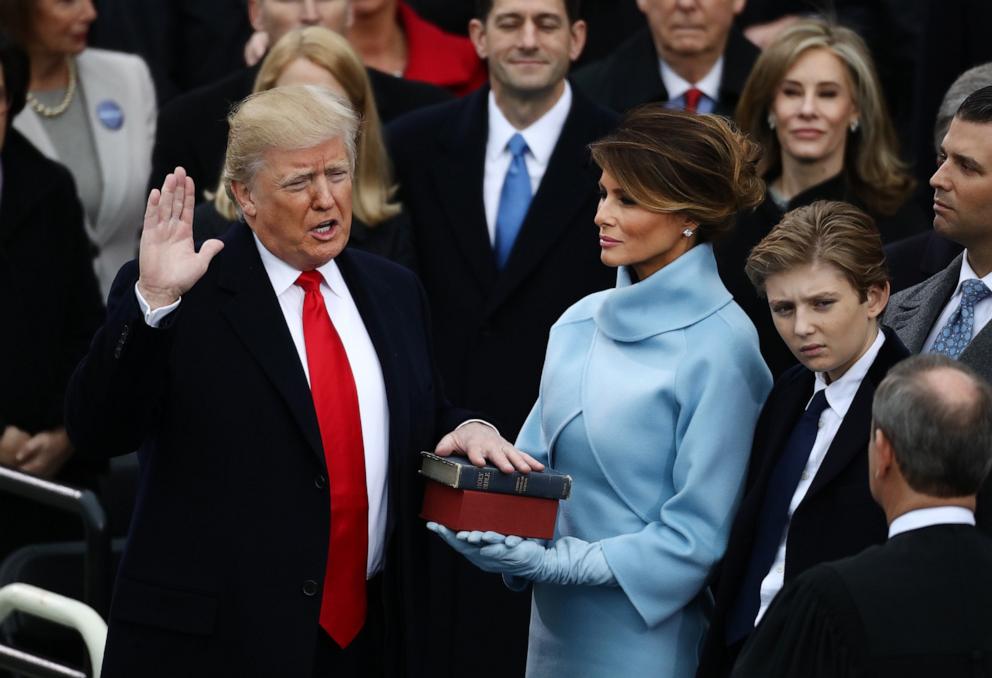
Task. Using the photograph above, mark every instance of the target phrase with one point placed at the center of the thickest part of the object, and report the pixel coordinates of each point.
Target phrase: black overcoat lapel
(256, 317)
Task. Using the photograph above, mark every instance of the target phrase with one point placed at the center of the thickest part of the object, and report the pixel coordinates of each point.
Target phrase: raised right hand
(168, 263)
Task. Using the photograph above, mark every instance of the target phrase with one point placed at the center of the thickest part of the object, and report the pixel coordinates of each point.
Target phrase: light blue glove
(568, 561)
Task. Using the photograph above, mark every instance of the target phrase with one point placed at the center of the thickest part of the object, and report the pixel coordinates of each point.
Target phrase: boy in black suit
(919, 604)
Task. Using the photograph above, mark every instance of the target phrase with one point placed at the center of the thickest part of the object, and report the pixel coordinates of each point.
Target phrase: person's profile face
(962, 184)
(631, 235)
(688, 28)
(299, 203)
(529, 44)
(822, 318)
(61, 27)
(278, 17)
(813, 109)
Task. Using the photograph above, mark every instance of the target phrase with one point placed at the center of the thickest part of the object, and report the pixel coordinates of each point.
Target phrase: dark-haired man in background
(950, 312)
(501, 195)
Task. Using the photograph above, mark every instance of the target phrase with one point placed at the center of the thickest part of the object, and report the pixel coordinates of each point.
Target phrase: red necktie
(692, 97)
(335, 399)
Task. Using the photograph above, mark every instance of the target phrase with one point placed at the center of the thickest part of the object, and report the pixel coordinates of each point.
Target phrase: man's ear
(884, 455)
(579, 32)
(477, 34)
(244, 199)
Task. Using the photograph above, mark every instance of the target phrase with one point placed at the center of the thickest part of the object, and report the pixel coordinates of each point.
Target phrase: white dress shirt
(374, 410)
(839, 395)
(983, 309)
(677, 86)
(936, 515)
(541, 138)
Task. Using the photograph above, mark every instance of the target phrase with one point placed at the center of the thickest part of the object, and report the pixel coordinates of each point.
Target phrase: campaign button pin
(110, 114)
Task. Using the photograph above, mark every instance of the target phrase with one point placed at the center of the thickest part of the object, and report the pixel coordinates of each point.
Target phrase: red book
(504, 513)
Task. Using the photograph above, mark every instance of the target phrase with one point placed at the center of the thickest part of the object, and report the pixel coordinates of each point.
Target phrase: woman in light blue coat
(648, 399)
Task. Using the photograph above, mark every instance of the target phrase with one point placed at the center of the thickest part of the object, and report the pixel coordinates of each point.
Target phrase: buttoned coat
(660, 383)
(228, 543)
(912, 314)
(124, 154)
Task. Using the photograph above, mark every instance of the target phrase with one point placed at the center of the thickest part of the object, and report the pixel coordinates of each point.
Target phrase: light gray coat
(913, 312)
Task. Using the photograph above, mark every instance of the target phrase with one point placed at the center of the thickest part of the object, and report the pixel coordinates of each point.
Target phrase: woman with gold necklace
(94, 112)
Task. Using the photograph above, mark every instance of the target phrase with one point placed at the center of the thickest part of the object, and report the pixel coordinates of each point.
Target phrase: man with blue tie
(950, 312)
(501, 194)
(689, 57)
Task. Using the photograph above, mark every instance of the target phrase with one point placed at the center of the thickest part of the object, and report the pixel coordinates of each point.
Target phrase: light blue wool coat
(649, 397)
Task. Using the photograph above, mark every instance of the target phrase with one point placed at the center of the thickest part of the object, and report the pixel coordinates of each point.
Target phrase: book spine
(528, 485)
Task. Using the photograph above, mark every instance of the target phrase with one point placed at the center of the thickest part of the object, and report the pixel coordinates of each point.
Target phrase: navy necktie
(514, 200)
(955, 336)
(773, 517)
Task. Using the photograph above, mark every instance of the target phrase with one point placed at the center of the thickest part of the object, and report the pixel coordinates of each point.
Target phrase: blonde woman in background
(318, 56)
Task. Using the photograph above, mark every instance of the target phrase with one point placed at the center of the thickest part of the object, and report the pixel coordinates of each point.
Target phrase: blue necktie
(514, 200)
(773, 517)
(956, 334)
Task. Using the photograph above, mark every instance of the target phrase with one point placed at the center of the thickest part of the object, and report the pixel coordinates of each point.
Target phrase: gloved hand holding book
(567, 561)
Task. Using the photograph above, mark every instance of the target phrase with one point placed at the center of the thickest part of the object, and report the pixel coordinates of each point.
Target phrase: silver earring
(771, 121)
(854, 126)
(688, 232)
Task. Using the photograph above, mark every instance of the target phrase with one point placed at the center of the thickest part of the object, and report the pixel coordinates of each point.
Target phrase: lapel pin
(110, 114)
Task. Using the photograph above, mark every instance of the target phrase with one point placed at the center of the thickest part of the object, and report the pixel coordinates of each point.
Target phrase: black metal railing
(96, 562)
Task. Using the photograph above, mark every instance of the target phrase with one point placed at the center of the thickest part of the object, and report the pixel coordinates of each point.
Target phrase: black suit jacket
(632, 76)
(491, 327)
(50, 307)
(917, 258)
(915, 607)
(836, 518)
(192, 128)
(231, 525)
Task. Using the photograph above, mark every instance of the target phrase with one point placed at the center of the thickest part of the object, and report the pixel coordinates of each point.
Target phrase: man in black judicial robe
(919, 604)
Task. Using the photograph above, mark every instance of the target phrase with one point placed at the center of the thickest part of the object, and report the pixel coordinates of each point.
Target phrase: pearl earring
(771, 121)
(688, 232)
(854, 126)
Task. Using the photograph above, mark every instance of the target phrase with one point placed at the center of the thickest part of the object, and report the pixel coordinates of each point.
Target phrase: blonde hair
(672, 161)
(372, 187)
(831, 232)
(872, 165)
(294, 117)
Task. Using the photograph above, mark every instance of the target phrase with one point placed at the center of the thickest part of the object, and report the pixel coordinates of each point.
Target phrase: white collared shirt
(365, 366)
(983, 309)
(541, 137)
(839, 394)
(676, 86)
(935, 515)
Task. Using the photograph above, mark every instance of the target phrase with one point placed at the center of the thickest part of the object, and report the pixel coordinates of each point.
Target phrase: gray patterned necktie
(956, 334)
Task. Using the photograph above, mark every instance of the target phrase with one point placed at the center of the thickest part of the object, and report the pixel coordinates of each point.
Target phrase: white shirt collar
(676, 85)
(968, 273)
(840, 394)
(283, 276)
(541, 136)
(937, 515)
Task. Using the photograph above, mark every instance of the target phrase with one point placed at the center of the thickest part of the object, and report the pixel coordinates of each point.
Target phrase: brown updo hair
(672, 161)
(827, 231)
